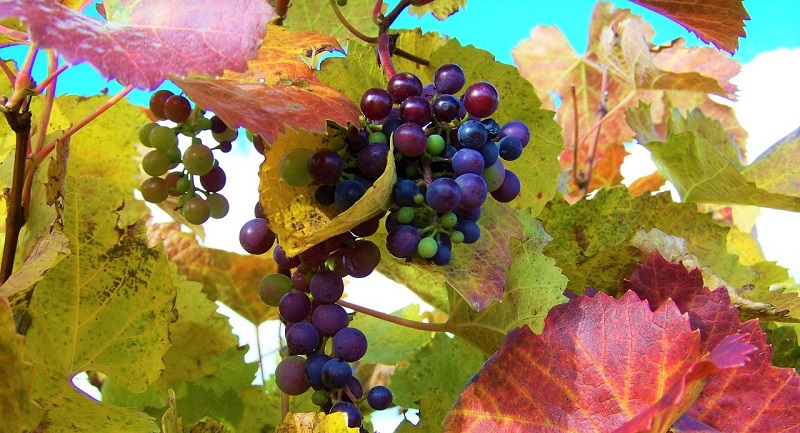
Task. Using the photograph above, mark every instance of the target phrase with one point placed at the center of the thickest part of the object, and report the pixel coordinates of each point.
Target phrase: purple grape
(473, 190)
(509, 189)
(290, 375)
(300, 281)
(391, 221)
(404, 192)
(214, 180)
(449, 78)
(314, 256)
(428, 92)
(313, 369)
(379, 397)
(510, 148)
(442, 256)
(355, 138)
(470, 230)
(402, 240)
(490, 153)
(256, 236)
(391, 124)
(371, 160)
(410, 139)
(515, 128)
(362, 258)
(336, 373)
(350, 344)
(294, 306)
(416, 109)
(348, 193)
(443, 195)
(355, 388)
(403, 85)
(376, 104)
(472, 134)
(468, 214)
(481, 99)
(330, 319)
(446, 108)
(492, 128)
(302, 338)
(353, 414)
(368, 227)
(467, 161)
(325, 166)
(217, 125)
(327, 287)
(325, 195)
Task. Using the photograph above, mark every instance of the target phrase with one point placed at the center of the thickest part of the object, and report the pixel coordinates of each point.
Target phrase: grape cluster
(320, 341)
(448, 154)
(198, 183)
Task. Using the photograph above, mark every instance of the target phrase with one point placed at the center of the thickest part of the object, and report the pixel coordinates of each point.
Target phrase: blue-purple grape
(468, 161)
(302, 338)
(449, 78)
(350, 344)
(510, 148)
(294, 306)
(402, 241)
(290, 375)
(325, 165)
(472, 134)
(379, 397)
(336, 373)
(490, 153)
(256, 236)
(327, 287)
(371, 160)
(404, 192)
(470, 230)
(473, 190)
(509, 189)
(443, 195)
(348, 193)
(446, 108)
(313, 369)
(329, 319)
(353, 414)
(515, 128)
(361, 259)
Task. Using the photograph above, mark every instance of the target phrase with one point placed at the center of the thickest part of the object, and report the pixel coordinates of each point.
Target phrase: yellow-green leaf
(317, 15)
(170, 421)
(776, 169)
(315, 423)
(433, 407)
(18, 411)
(207, 425)
(397, 343)
(440, 9)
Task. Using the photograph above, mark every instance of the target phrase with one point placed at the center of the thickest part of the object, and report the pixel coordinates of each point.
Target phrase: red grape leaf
(599, 363)
(146, 40)
(718, 22)
(279, 89)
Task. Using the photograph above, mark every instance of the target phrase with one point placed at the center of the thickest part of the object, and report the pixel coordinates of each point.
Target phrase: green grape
(183, 185)
(494, 175)
(457, 237)
(219, 205)
(427, 247)
(144, 133)
(248, 135)
(174, 154)
(320, 397)
(162, 138)
(449, 220)
(419, 199)
(229, 134)
(172, 180)
(203, 123)
(378, 137)
(294, 167)
(196, 210)
(154, 190)
(435, 144)
(185, 197)
(156, 163)
(198, 159)
(272, 287)
(405, 215)
(338, 144)
(341, 2)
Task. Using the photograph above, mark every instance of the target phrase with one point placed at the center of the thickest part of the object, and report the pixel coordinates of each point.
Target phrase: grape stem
(20, 123)
(49, 86)
(575, 136)
(385, 55)
(51, 76)
(413, 324)
(281, 9)
(348, 26)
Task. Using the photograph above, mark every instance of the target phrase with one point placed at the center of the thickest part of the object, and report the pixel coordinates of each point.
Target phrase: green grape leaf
(533, 285)
(393, 343)
(171, 422)
(315, 423)
(776, 169)
(418, 43)
(354, 74)
(207, 425)
(226, 277)
(45, 254)
(433, 407)
(443, 365)
(696, 158)
(317, 15)
(106, 306)
(18, 411)
(293, 213)
(440, 9)
(785, 349)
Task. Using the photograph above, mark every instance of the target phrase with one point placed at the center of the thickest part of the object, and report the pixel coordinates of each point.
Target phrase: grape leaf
(565, 379)
(650, 183)
(226, 277)
(170, 421)
(294, 214)
(207, 425)
(146, 40)
(697, 158)
(45, 254)
(19, 412)
(440, 9)
(317, 15)
(354, 74)
(279, 89)
(719, 22)
(785, 349)
(418, 43)
(755, 397)
(315, 423)
(433, 407)
(394, 344)
(775, 170)
(533, 285)
(441, 366)
(618, 46)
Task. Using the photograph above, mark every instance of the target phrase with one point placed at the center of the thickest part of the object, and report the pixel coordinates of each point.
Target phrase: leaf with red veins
(279, 89)
(599, 363)
(146, 40)
(718, 22)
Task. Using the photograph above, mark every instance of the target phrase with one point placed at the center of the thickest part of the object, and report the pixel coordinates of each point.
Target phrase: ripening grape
(162, 138)
(171, 180)
(325, 166)
(219, 205)
(416, 109)
(272, 287)
(256, 236)
(290, 375)
(427, 247)
(481, 99)
(228, 134)
(293, 167)
(196, 210)
(214, 180)
(156, 163)
(144, 133)
(376, 104)
(198, 159)
(403, 85)
(157, 100)
(177, 108)
(154, 190)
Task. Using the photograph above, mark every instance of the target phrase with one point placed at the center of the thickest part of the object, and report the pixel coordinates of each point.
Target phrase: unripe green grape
(144, 133)
(457, 237)
(196, 210)
(218, 204)
(378, 137)
(419, 199)
(293, 167)
(229, 134)
(185, 198)
(272, 287)
(341, 2)
(427, 247)
(154, 190)
(449, 220)
(174, 154)
(183, 185)
(172, 180)
(162, 138)
(198, 159)
(320, 397)
(405, 215)
(203, 123)
(156, 163)
(435, 144)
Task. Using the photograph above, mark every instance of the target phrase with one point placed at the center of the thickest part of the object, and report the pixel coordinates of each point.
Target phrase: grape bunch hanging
(448, 153)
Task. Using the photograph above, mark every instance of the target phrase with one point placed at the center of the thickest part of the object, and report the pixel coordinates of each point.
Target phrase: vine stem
(574, 136)
(51, 76)
(20, 123)
(49, 86)
(394, 13)
(348, 26)
(413, 324)
(260, 357)
(385, 55)
(42, 154)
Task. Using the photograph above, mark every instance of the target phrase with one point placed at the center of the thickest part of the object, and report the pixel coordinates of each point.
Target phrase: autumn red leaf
(599, 364)
(278, 90)
(718, 22)
(146, 40)
(756, 397)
